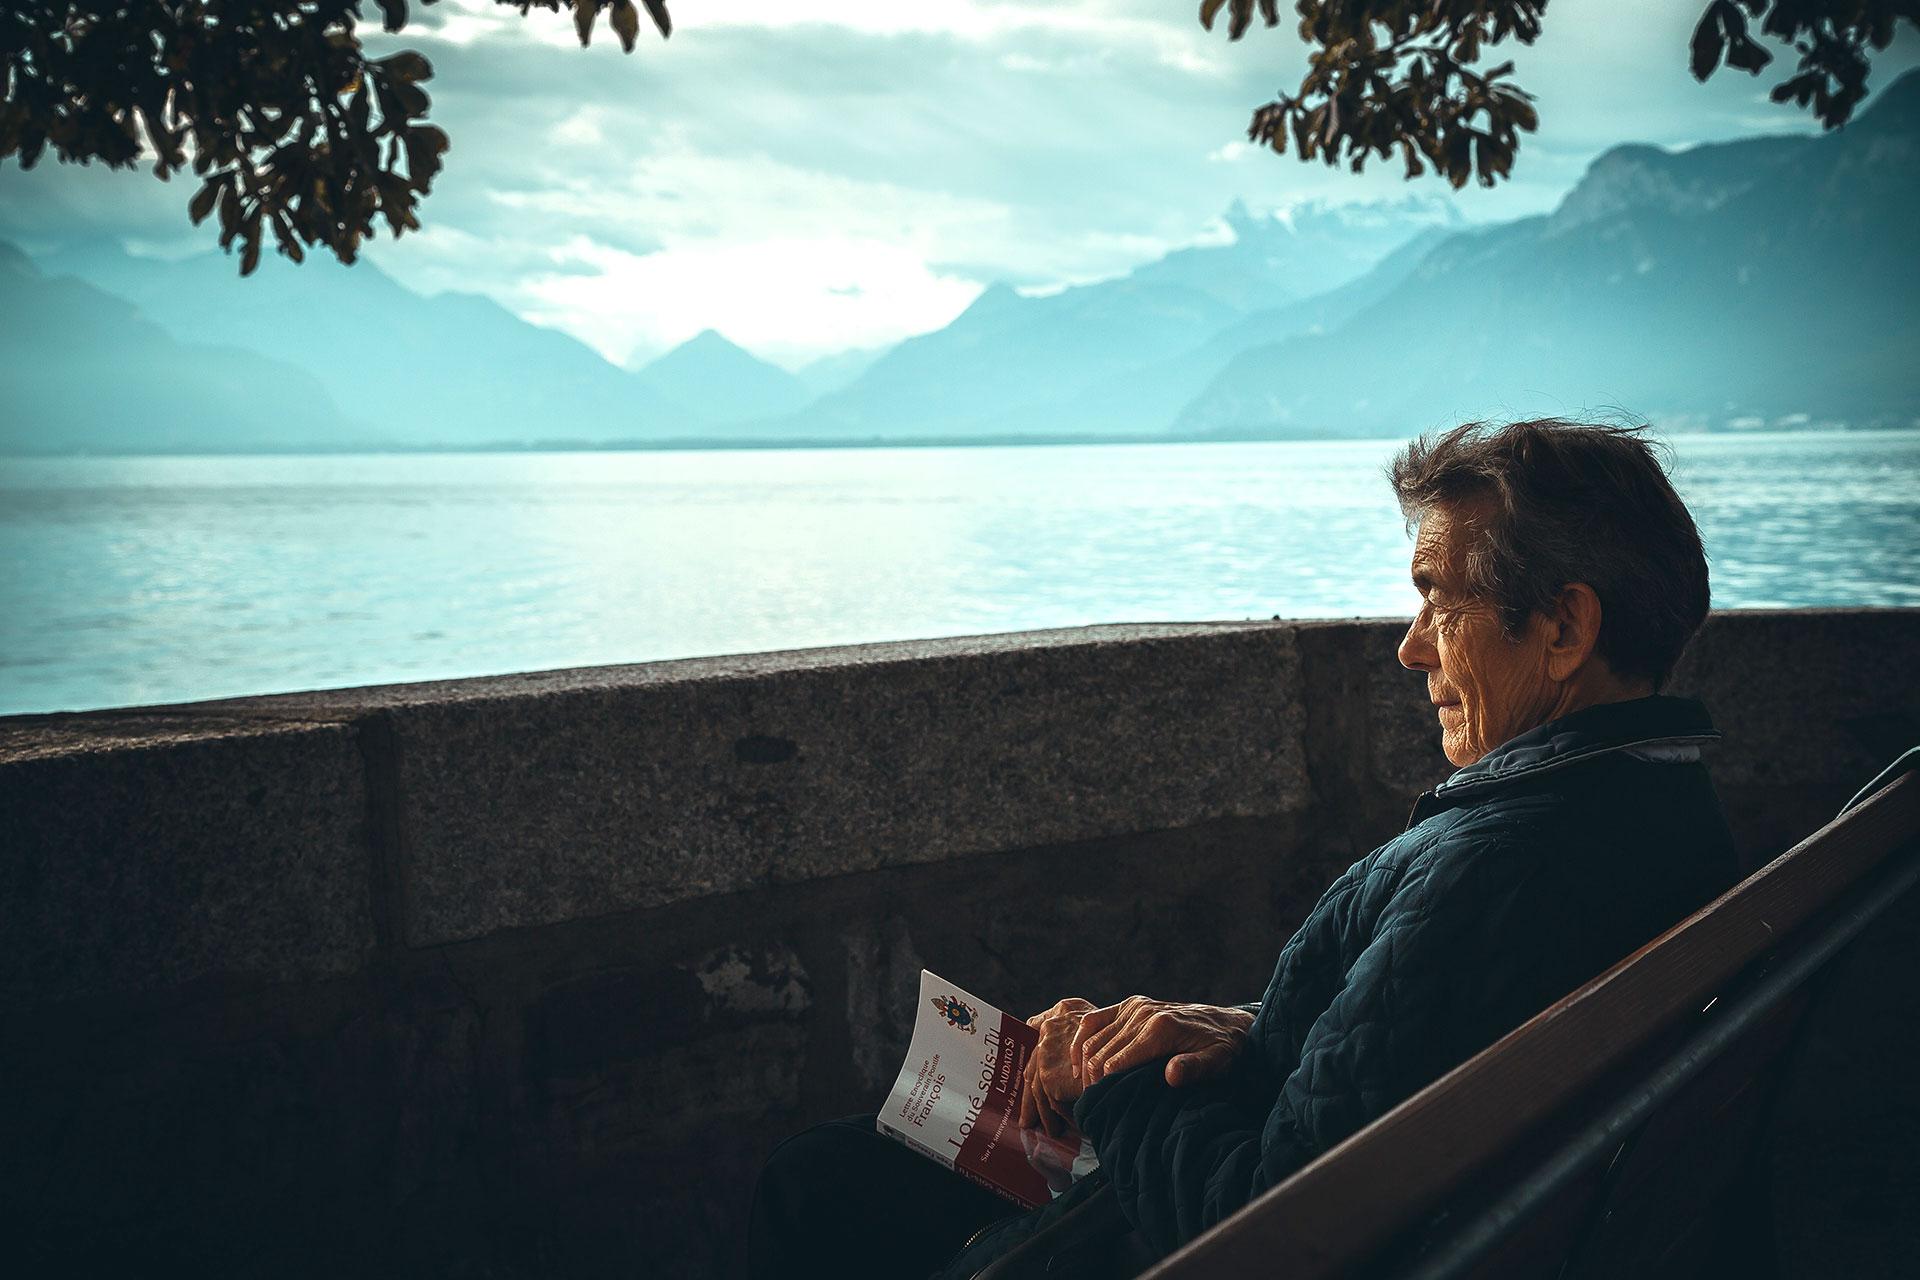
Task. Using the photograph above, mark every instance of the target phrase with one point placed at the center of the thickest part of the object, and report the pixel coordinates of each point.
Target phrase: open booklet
(957, 1100)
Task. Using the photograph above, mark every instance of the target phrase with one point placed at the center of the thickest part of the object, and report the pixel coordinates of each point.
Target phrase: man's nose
(1416, 647)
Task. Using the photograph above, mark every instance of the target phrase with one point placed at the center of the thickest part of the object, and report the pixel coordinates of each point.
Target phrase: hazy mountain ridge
(1144, 399)
(1636, 176)
(83, 370)
(449, 370)
(1121, 355)
(1768, 280)
(1005, 354)
(830, 373)
(1273, 260)
(722, 382)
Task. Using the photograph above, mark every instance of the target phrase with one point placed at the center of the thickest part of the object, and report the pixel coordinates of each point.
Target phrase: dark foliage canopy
(1399, 75)
(290, 126)
(294, 131)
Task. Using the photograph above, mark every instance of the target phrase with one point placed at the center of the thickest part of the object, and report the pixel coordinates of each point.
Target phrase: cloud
(1008, 144)
(787, 299)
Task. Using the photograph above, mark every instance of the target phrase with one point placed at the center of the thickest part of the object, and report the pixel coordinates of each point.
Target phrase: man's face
(1487, 688)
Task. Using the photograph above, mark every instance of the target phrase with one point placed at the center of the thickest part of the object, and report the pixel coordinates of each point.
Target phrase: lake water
(147, 580)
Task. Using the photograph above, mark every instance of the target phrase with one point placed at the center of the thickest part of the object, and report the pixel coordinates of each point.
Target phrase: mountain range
(1766, 281)
(722, 382)
(82, 370)
(1770, 280)
(454, 369)
(1117, 356)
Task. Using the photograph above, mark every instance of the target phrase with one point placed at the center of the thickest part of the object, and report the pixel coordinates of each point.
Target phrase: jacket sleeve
(1184, 1159)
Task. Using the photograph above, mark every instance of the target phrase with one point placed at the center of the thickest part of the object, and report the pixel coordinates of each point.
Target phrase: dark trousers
(842, 1199)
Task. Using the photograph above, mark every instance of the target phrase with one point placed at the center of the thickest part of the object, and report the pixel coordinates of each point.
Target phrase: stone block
(635, 787)
(625, 1059)
(136, 855)
(1806, 697)
(1403, 731)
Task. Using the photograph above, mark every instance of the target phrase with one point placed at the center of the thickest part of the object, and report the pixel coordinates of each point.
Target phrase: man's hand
(1047, 1101)
(1202, 1039)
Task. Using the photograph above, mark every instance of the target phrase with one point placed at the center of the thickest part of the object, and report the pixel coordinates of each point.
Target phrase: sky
(812, 178)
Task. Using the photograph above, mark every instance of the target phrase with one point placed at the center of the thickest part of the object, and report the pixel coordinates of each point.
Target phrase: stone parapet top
(82, 730)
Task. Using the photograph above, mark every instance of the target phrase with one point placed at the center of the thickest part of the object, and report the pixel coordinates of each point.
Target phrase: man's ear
(1575, 630)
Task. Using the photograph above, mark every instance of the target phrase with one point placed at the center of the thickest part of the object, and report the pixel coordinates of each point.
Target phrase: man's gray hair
(1554, 502)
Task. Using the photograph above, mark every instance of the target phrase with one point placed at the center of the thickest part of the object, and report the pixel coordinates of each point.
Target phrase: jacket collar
(1656, 728)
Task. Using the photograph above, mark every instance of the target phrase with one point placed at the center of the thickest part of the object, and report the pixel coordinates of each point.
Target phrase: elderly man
(1560, 577)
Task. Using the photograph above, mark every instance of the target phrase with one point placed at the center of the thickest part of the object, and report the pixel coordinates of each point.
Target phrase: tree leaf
(1708, 40)
(584, 13)
(202, 203)
(229, 211)
(1241, 18)
(1746, 54)
(657, 10)
(625, 21)
(424, 148)
(407, 67)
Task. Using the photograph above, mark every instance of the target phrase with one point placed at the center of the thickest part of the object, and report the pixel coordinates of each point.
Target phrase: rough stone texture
(139, 861)
(1811, 703)
(592, 799)
(1807, 697)
(1403, 730)
(883, 995)
(95, 733)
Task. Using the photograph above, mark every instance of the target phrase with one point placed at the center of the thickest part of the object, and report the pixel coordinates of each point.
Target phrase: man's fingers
(1185, 1069)
(1116, 1029)
(1149, 1040)
(1089, 1052)
(1103, 1052)
(1090, 1025)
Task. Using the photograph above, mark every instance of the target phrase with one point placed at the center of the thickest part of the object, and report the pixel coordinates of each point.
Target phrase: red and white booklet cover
(958, 1099)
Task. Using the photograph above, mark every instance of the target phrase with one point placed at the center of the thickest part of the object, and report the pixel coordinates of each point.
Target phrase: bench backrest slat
(1363, 1193)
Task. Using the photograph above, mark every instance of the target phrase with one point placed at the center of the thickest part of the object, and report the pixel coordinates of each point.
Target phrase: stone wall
(525, 975)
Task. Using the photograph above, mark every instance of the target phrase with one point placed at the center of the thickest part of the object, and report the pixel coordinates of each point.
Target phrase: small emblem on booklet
(957, 1013)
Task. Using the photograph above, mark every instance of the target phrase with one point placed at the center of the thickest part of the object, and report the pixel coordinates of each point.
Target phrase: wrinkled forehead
(1447, 531)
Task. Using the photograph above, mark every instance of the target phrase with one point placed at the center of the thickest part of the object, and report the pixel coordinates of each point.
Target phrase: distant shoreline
(716, 444)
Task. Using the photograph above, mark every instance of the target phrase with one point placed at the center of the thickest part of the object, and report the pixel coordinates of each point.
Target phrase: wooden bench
(1608, 1135)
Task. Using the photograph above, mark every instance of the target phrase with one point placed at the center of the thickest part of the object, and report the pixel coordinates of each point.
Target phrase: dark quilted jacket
(1520, 877)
